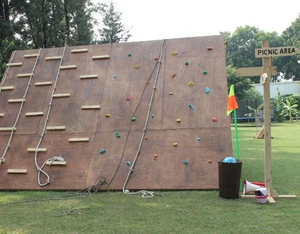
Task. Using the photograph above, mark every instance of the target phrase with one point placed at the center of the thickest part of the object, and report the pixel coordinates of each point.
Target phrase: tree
(6, 47)
(289, 109)
(6, 30)
(113, 31)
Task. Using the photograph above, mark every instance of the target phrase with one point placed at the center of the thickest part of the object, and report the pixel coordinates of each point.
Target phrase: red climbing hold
(173, 75)
(128, 99)
(155, 58)
(209, 48)
(146, 138)
(148, 82)
(214, 119)
(209, 161)
(155, 157)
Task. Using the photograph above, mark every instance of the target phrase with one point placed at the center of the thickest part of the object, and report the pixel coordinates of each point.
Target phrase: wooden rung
(59, 95)
(16, 171)
(38, 149)
(79, 51)
(30, 55)
(91, 107)
(54, 163)
(7, 88)
(24, 75)
(56, 128)
(7, 129)
(68, 67)
(43, 83)
(14, 64)
(79, 139)
(16, 100)
(53, 58)
(101, 57)
(29, 114)
(1, 114)
(88, 76)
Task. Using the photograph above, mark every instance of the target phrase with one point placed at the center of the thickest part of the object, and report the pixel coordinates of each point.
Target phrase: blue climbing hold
(198, 139)
(191, 106)
(185, 161)
(229, 160)
(207, 90)
(128, 163)
(115, 76)
(102, 151)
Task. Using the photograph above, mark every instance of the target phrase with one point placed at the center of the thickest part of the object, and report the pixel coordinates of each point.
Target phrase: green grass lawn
(171, 212)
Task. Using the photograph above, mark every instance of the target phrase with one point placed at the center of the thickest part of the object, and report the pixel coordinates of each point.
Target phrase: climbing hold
(207, 90)
(209, 161)
(214, 119)
(137, 66)
(174, 53)
(173, 75)
(155, 58)
(185, 161)
(205, 72)
(118, 135)
(107, 115)
(133, 119)
(153, 115)
(115, 76)
(128, 163)
(170, 93)
(146, 138)
(178, 120)
(191, 83)
(102, 151)
(186, 63)
(155, 157)
(175, 144)
(127, 99)
(148, 82)
(191, 106)
(209, 48)
(198, 139)
(129, 55)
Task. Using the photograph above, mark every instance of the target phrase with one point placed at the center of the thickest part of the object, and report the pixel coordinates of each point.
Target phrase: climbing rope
(144, 193)
(21, 107)
(40, 169)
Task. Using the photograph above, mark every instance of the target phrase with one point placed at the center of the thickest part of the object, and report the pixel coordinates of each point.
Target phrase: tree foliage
(6, 47)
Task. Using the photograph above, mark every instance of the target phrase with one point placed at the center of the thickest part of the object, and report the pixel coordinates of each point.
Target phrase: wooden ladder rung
(1, 114)
(89, 76)
(14, 64)
(7, 129)
(84, 139)
(7, 88)
(53, 58)
(30, 55)
(91, 107)
(56, 128)
(30, 114)
(68, 67)
(79, 51)
(24, 75)
(16, 171)
(43, 83)
(101, 57)
(56, 163)
(37, 149)
(61, 95)
(16, 100)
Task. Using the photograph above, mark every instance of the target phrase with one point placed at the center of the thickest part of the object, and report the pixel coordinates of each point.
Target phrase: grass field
(171, 212)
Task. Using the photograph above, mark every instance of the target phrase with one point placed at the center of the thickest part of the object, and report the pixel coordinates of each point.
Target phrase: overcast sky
(165, 19)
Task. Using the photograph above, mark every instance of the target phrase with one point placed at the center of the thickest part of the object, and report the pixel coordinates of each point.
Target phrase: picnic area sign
(275, 52)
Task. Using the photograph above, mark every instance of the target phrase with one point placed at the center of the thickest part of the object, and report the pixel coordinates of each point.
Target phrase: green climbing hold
(186, 162)
(102, 151)
(186, 63)
(129, 55)
(133, 119)
(118, 135)
(205, 72)
(153, 115)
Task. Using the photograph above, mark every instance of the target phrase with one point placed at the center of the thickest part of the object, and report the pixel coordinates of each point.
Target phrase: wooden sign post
(267, 70)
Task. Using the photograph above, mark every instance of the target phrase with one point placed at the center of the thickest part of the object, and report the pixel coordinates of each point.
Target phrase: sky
(166, 19)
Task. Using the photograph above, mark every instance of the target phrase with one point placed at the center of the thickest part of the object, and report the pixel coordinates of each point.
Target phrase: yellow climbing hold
(191, 83)
(137, 66)
(108, 115)
(171, 93)
(178, 120)
(175, 144)
(174, 53)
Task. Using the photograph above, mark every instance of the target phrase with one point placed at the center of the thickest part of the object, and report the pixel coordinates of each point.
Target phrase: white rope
(144, 193)
(40, 169)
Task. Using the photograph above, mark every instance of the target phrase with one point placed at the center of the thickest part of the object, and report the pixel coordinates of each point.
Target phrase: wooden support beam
(79, 51)
(61, 95)
(53, 58)
(56, 163)
(7, 129)
(68, 67)
(43, 83)
(1, 114)
(32, 150)
(16, 171)
(56, 128)
(94, 76)
(16, 100)
(30, 55)
(4, 88)
(101, 57)
(30, 114)
(14, 64)
(254, 71)
(84, 139)
(25, 75)
(91, 107)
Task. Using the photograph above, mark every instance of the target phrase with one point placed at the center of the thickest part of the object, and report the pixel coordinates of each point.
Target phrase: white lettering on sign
(275, 52)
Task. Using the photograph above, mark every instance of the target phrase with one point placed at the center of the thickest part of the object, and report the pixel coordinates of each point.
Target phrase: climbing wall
(141, 115)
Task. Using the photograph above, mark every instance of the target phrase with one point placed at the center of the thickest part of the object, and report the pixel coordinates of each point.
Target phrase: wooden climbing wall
(72, 102)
